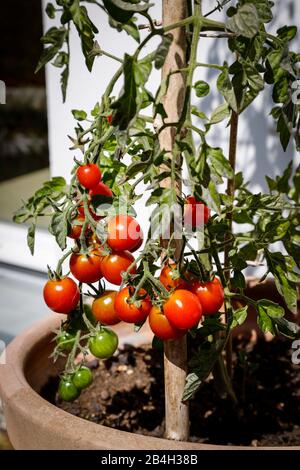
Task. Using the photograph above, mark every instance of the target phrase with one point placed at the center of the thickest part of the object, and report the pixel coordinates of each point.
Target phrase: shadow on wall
(259, 151)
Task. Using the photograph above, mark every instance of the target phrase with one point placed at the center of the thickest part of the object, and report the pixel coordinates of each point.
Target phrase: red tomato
(183, 309)
(196, 213)
(138, 245)
(161, 326)
(102, 190)
(169, 277)
(86, 268)
(76, 227)
(123, 233)
(103, 308)
(88, 175)
(114, 264)
(132, 313)
(61, 295)
(210, 294)
(109, 119)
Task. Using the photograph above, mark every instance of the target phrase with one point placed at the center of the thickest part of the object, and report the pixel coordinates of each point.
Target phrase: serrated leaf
(202, 88)
(219, 114)
(202, 364)
(287, 33)
(86, 31)
(162, 51)
(56, 37)
(239, 316)
(125, 107)
(245, 22)
(286, 328)
(59, 228)
(218, 163)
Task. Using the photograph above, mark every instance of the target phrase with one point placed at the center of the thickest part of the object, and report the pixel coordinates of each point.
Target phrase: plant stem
(60, 262)
(210, 66)
(230, 192)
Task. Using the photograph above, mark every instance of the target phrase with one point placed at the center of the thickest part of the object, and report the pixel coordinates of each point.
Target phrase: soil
(127, 394)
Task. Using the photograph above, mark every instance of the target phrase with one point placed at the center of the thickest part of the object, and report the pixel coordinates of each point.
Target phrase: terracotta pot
(34, 423)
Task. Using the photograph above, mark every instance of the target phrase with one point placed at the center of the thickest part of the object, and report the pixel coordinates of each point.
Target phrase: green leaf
(287, 33)
(79, 115)
(278, 266)
(56, 37)
(219, 114)
(59, 228)
(286, 328)
(218, 163)
(225, 87)
(263, 7)
(283, 185)
(239, 316)
(131, 6)
(85, 29)
(50, 10)
(142, 70)
(201, 364)
(61, 59)
(162, 51)
(118, 14)
(267, 312)
(245, 22)
(31, 237)
(125, 107)
(201, 88)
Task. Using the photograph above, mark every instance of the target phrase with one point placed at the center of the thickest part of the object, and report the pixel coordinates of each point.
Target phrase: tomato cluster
(174, 306)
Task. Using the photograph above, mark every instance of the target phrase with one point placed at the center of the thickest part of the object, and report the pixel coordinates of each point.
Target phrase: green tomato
(104, 343)
(66, 341)
(82, 378)
(67, 390)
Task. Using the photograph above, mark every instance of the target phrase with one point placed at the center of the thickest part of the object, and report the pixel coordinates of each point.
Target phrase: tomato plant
(61, 295)
(103, 308)
(124, 153)
(132, 310)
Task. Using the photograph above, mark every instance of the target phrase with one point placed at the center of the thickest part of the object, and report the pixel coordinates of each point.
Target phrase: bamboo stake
(175, 352)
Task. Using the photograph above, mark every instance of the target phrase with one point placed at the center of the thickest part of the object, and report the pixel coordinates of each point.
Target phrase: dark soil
(127, 393)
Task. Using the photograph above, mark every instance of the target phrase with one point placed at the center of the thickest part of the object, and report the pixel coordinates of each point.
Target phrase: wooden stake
(175, 352)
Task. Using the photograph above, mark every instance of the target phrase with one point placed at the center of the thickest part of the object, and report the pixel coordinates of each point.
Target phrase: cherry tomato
(196, 213)
(101, 190)
(123, 232)
(109, 119)
(183, 309)
(132, 312)
(103, 308)
(210, 294)
(104, 343)
(67, 390)
(61, 295)
(138, 245)
(161, 326)
(66, 341)
(76, 227)
(91, 211)
(82, 378)
(114, 264)
(88, 175)
(86, 268)
(169, 277)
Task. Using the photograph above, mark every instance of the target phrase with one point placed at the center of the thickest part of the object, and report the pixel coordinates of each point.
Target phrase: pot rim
(18, 395)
